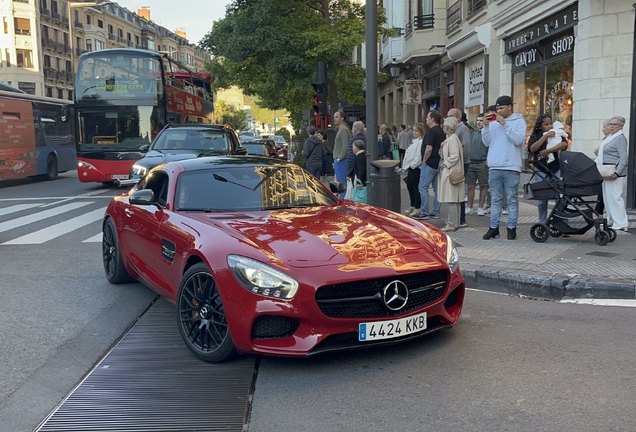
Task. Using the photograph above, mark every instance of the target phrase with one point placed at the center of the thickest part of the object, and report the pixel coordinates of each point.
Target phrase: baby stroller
(572, 214)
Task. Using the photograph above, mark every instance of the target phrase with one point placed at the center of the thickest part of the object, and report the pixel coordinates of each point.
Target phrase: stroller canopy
(580, 176)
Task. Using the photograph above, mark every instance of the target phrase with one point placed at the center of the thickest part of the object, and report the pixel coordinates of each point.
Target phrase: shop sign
(26, 85)
(526, 58)
(430, 94)
(413, 92)
(475, 80)
(554, 24)
(560, 46)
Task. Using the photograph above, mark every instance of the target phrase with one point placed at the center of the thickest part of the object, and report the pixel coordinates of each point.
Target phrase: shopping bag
(349, 193)
(360, 195)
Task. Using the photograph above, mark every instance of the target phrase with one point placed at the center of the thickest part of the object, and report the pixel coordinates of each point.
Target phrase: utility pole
(371, 65)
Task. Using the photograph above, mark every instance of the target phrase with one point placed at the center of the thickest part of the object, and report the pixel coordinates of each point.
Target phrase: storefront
(542, 58)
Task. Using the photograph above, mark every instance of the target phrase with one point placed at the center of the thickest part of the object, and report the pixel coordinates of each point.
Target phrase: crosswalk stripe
(95, 239)
(59, 229)
(17, 208)
(25, 220)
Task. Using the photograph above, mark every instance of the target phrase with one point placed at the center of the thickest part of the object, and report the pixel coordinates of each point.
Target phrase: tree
(270, 48)
(230, 115)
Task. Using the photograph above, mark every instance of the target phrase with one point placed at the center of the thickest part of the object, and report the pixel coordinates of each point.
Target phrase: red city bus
(123, 98)
(36, 135)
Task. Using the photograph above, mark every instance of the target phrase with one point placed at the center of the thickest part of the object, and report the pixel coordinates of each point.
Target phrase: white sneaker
(414, 212)
(469, 210)
(504, 211)
(408, 211)
(480, 211)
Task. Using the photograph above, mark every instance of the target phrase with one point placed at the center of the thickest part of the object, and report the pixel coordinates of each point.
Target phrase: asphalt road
(510, 364)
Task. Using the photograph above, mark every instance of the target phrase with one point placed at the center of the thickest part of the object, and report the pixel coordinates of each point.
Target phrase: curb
(548, 286)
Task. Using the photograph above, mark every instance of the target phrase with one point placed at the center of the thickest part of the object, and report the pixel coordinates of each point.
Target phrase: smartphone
(491, 117)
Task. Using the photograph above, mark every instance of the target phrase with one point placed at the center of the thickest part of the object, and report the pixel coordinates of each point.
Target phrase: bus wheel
(109, 183)
(51, 168)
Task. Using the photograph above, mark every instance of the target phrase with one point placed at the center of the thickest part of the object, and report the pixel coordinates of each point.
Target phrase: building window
(120, 33)
(49, 91)
(89, 45)
(137, 40)
(60, 93)
(69, 68)
(24, 58)
(70, 95)
(88, 19)
(8, 57)
(45, 32)
(110, 29)
(6, 25)
(47, 61)
(100, 24)
(99, 45)
(22, 26)
(129, 36)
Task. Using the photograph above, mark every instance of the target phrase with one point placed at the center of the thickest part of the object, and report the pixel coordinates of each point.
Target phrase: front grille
(344, 341)
(273, 327)
(363, 298)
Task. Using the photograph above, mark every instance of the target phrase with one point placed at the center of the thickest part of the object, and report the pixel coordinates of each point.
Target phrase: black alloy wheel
(540, 233)
(111, 255)
(201, 316)
(51, 168)
(555, 232)
(601, 237)
(612, 234)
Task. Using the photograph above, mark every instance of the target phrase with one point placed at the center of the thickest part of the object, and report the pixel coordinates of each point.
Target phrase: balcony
(23, 32)
(409, 28)
(21, 1)
(50, 73)
(423, 22)
(56, 16)
(45, 12)
(67, 49)
(78, 24)
(474, 7)
(454, 17)
(130, 43)
(111, 36)
(79, 51)
(65, 20)
(121, 40)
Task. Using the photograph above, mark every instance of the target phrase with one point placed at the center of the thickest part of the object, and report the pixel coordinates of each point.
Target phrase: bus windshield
(119, 76)
(117, 128)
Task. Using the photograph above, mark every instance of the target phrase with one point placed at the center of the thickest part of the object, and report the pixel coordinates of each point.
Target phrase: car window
(256, 149)
(241, 188)
(192, 139)
(157, 181)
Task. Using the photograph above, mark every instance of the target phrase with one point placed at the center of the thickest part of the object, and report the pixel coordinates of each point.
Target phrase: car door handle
(129, 212)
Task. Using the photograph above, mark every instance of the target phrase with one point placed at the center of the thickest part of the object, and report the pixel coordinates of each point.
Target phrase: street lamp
(69, 6)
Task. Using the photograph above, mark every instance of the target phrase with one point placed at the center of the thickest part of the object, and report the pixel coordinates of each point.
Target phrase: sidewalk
(565, 267)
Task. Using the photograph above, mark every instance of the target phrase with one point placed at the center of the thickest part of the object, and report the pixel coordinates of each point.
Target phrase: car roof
(196, 125)
(224, 161)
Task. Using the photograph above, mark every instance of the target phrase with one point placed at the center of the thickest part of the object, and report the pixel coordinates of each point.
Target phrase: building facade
(41, 41)
(570, 59)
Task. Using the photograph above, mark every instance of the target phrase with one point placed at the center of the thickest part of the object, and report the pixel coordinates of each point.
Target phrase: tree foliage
(270, 48)
(228, 114)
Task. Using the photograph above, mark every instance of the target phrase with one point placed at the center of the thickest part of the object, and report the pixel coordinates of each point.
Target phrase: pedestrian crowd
(454, 160)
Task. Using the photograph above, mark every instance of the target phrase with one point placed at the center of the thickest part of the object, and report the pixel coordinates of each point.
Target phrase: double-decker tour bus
(36, 135)
(123, 98)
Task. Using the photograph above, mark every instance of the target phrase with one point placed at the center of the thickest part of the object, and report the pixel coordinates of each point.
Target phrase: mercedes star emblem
(395, 295)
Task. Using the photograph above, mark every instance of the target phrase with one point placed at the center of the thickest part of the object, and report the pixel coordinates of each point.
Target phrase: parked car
(261, 148)
(279, 139)
(259, 257)
(185, 141)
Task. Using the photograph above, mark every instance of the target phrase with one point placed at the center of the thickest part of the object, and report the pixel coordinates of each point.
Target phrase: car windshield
(255, 149)
(249, 188)
(192, 139)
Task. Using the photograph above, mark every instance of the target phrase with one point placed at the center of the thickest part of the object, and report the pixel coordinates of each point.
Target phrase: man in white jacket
(505, 136)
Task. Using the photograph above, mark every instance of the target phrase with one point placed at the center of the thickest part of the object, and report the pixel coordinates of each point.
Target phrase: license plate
(119, 176)
(391, 328)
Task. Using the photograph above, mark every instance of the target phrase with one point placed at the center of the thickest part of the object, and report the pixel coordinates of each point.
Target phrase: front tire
(111, 255)
(201, 317)
(51, 168)
(539, 233)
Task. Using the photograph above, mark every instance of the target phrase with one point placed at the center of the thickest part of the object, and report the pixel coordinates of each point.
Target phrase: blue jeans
(340, 167)
(502, 182)
(428, 177)
(542, 205)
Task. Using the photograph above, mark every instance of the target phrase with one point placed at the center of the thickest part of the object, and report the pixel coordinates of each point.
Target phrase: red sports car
(259, 257)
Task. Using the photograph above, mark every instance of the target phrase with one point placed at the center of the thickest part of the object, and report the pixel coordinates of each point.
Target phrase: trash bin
(384, 184)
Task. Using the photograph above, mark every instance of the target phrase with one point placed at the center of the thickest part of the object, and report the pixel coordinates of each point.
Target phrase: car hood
(154, 157)
(352, 237)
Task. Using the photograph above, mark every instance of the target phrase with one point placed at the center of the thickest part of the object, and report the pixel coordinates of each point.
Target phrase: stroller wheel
(539, 233)
(555, 232)
(612, 234)
(602, 237)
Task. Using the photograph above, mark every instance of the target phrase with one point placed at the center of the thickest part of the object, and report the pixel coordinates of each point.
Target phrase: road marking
(85, 195)
(25, 220)
(603, 302)
(59, 229)
(17, 208)
(95, 239)
(56, 198)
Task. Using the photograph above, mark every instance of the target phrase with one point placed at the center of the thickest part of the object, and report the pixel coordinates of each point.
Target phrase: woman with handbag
(451, 174)
(612, 164)
(411, 164)
(545, 157)
(360, 172)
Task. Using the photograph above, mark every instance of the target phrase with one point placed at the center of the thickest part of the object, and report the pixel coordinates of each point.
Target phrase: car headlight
(452, 256)
(138, 171)
(262, 279)
(86, 165)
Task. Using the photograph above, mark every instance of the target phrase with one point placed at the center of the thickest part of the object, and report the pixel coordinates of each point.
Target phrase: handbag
(606, 171)
(456, 178)
(360, 195)
(527, 192)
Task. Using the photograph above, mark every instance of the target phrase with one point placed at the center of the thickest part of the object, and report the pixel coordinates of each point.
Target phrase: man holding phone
(504, 134)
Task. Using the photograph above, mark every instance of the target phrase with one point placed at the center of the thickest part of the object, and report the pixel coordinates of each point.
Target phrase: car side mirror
(337, 187)
(144, 148)
(143, 197)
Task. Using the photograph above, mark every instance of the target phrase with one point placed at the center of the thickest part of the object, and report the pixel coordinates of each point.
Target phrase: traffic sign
(269, 126)
(276, 120)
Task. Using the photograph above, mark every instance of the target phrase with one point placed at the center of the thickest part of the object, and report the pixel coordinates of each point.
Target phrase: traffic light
(320, 99)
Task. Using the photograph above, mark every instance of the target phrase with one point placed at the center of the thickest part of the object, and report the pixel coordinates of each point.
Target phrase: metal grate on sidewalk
(151, 382)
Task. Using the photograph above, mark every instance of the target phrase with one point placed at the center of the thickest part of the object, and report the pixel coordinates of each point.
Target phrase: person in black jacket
(430, 165)
(314, 150)
(358, 134)
(360, 165)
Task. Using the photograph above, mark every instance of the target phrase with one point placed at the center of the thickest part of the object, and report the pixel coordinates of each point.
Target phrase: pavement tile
(564, 267)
